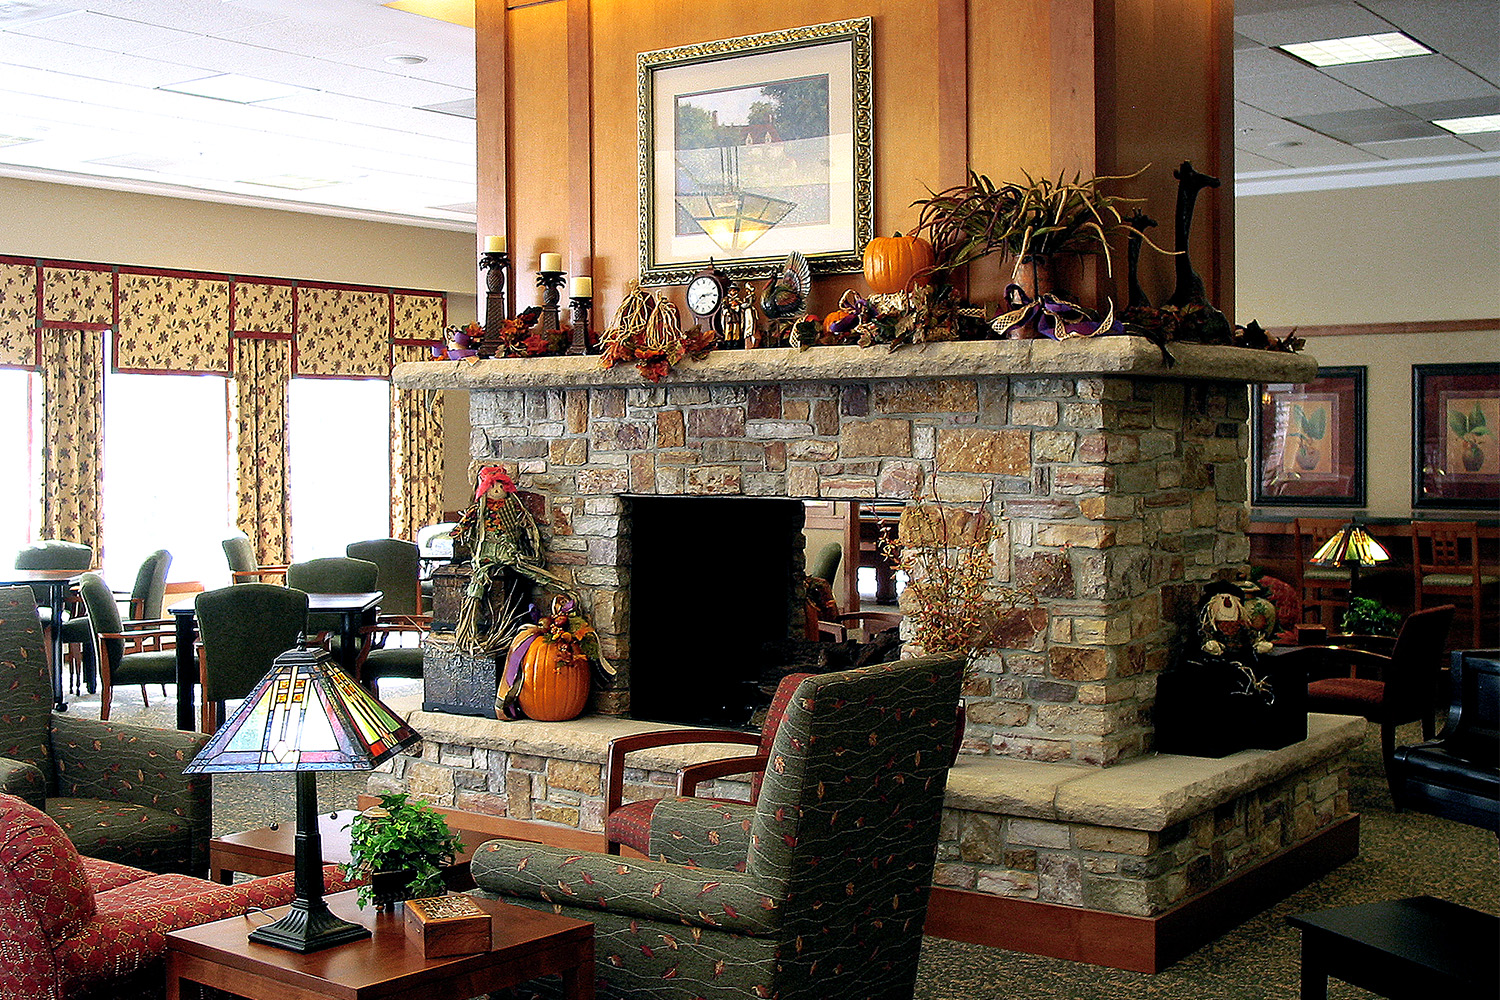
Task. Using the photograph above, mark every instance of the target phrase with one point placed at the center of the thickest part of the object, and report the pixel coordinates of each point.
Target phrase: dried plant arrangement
(953, 599)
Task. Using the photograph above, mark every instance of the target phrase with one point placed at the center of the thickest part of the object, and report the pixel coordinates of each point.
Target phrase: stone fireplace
(1118, 484)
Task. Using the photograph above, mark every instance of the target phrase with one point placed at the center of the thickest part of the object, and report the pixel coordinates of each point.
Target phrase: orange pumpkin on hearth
(892, 263)
(555, 680)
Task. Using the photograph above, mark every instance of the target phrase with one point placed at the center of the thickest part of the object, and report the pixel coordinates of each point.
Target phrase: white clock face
(703, 295)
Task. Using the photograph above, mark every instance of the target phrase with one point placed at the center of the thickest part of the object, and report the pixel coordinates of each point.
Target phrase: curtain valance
(172, 323)
(18, 317)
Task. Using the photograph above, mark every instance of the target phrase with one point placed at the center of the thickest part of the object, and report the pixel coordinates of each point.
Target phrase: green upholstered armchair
(137, 652)
(244, 567)
(242, 629)
(117, 790)
(400, 611)
(837, 856)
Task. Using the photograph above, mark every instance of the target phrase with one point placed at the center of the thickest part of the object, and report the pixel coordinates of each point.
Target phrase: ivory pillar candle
(583, 287)
(551, 262)
(494, 244)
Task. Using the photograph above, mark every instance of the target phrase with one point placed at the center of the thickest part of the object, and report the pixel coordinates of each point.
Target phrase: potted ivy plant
(401, 846)
(1369, 617)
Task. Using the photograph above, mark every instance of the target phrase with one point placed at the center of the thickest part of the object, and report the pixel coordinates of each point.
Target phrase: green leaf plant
(401, 835)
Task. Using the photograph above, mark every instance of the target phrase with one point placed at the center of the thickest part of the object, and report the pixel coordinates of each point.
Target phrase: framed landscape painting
(1456, 435)
(753, 147)
(1308, 441)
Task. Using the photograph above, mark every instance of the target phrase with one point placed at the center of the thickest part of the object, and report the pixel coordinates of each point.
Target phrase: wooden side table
(270, 850)
(524, 944)
(1418, 947)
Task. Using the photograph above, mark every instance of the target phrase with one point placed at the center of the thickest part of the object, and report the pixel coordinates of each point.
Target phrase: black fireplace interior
(710, 586)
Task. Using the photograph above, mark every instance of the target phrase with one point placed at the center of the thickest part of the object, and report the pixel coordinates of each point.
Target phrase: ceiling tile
(1311, 23)
(1413, 80)
(1439, 145)
(1487, 141)
(1373, 125)
(310, 38)
(1325, 153)
(1248, 162)
(1467, 31)
(185, 15)
(97, 31)
(1305, 91)
(1261, 61)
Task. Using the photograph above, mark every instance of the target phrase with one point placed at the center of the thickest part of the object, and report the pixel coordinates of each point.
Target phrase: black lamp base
(309, 927)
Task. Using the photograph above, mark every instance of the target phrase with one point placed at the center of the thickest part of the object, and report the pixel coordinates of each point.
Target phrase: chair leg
(1387, 757)
(144, 700)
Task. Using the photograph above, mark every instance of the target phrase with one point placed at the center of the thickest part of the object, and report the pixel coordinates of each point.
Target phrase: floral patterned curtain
(73, 419)
(416, 453)
(262, 371)
(18, 341)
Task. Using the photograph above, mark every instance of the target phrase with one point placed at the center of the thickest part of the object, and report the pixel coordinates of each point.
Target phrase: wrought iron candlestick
(580, 305)
(550, 282)
(494, 264)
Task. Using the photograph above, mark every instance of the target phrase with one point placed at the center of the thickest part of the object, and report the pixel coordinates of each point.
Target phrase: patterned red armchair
(73, 928)
(117, 790)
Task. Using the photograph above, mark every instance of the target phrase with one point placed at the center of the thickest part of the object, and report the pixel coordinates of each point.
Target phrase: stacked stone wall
(1116, 498)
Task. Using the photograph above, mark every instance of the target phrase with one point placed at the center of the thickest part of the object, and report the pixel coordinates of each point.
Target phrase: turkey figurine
(787, 291)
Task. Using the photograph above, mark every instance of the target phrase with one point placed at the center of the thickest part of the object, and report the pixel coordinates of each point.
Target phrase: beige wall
(63, 221)
(1388, 254)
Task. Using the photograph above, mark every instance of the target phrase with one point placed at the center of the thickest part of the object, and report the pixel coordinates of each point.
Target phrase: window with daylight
(21, 458)
(339, 475)
(166, 475)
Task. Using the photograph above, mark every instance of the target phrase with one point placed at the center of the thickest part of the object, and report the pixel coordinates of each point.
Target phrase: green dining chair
(135, 652)
(54, 553)
(399, 577)
(332, 575)
(244, 567)
(243, 628)
(149, 592)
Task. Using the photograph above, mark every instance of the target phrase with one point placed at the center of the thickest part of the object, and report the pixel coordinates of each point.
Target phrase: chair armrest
(259, 575)
(24, 781)
(1334, 661)
(146, 635)
(712, 898)
(135, 764)
(614, 756)
(691, 775)
(703, 833)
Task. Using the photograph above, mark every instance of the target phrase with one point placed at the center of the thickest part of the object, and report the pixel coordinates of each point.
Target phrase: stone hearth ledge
(1106, 356)
(1149, 793)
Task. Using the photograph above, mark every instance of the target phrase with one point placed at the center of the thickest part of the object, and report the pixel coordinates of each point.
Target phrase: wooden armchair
(1445, 565)
(136, 652)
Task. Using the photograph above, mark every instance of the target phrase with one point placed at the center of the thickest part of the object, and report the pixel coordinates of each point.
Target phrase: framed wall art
(1308, 441)
(753, 147)
(1455, 435)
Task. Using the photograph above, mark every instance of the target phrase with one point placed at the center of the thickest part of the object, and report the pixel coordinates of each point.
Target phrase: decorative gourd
(892, 263)
(555, 679)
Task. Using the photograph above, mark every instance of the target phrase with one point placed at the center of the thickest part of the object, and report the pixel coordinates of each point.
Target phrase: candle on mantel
(551, 262)
(583, 287)
(494, 244)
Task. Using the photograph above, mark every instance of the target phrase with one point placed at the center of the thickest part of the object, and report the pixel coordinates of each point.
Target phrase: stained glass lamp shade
(1353, 547)
(306, 715)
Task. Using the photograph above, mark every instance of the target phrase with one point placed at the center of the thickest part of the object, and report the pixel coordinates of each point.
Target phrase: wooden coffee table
(269, 850)
(524, 944)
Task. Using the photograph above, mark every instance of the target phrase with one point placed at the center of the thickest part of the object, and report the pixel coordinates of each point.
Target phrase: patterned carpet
(1401, 854)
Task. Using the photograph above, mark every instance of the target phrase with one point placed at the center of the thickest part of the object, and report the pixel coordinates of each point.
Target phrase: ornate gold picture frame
(753, 147)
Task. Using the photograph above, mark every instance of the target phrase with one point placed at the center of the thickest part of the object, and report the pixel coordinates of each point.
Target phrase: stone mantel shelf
(1131, 357)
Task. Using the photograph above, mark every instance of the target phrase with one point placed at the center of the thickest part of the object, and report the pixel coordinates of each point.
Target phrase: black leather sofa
(1457, 774)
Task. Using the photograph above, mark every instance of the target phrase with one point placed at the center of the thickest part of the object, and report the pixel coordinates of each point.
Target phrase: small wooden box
(447, 925)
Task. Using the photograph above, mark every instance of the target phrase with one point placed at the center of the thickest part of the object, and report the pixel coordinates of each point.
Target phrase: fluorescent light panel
(1469, 125)
(235, 88)
(1356, 49)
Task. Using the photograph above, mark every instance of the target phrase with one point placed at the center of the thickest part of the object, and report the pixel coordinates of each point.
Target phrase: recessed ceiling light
(406, 60)
(231, 87)
(291, 182)
(1469, 125)
(1356, 49)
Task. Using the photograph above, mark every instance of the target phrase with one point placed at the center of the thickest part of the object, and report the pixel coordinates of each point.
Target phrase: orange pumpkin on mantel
(893, 263)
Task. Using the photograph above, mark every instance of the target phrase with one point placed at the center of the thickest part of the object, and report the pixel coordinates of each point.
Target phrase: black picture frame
(1307, 441)
(1455, 455)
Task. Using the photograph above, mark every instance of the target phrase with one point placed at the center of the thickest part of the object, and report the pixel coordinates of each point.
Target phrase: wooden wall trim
(1074, 106)
(580, 138)
(952, 92)
(1374, 329)
(1220, 128)
(491, 129)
